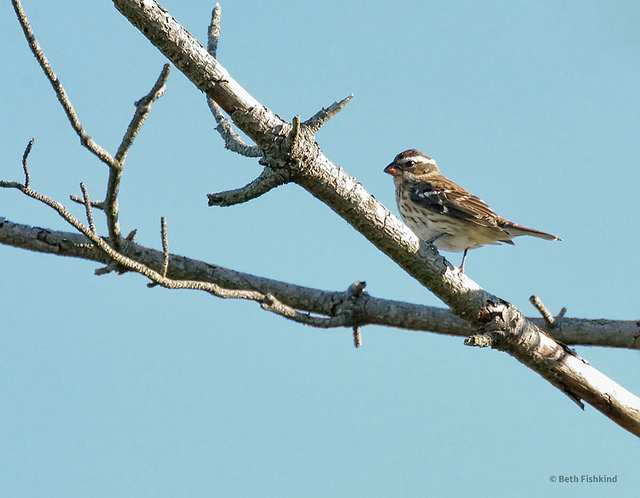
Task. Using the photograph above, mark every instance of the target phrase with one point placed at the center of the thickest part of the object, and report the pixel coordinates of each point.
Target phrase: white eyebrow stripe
(418, 159)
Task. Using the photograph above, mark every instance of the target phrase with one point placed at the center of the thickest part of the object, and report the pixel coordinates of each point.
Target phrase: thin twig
(294, 134)
(268, 180)
(61, 94)
(165, 245)
(357, 337)
(94, 204)
(25, 165)
(87, 205)
(546, 314)
(143, 108)
(214, 30)
(356, 289)
(130, 263)
(270, 303)
(232, 141)
(315, 122)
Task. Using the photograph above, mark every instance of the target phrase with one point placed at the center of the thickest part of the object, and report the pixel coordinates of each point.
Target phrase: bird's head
(412, 165)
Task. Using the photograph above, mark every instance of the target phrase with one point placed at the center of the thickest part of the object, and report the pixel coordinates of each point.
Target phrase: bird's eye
(409, 164)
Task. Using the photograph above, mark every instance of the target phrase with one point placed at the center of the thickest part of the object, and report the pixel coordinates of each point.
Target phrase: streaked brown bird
(444, 214)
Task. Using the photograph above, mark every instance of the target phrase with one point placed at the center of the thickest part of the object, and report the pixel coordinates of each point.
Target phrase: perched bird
(444, 214)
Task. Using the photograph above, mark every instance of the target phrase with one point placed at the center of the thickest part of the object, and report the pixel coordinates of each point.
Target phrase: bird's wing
(445, 197)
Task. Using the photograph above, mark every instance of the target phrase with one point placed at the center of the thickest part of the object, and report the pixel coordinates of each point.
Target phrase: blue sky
(113, 389)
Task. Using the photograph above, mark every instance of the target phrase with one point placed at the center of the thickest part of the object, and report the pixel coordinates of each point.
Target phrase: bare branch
(143, 108)
(94, 204)
(560, 317)
(105, 270)
(539, 305)
(213, 33)
(165, 245)
(315, 122)
(268, 180)
(333, 186)
(357, 337)
(266, 300)
(294, 134)
(551, 322)
(132, 264)
(61, 94)
(500, 322)
(25, 165)
(232, 141)
(275, 306)
(355, 291)
(368, 310)
(87, 205)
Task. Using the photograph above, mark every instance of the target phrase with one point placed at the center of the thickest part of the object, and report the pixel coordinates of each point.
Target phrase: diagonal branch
(232, 141)
(550, 321)
(143, 108)
(313, 171)
(115, 164)
(61, 94)
(87, 205)
(315, 122)
(268, 180)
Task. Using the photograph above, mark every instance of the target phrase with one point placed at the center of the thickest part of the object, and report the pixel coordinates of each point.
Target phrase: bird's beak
(392, 170)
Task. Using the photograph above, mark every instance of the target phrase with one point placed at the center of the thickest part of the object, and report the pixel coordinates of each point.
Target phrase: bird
(442, 213)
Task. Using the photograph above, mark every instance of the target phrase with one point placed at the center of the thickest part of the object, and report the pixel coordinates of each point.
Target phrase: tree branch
(368, 310)
(292, 148)
(232, 140)
(268, 180)
(313, 171)
(115, 164)
(267, 301)
(550, 321)
(315, 122)
(143, 108)
(25, 163)
(61, 94)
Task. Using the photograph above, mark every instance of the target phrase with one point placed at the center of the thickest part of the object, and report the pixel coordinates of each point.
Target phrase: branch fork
(273, 175)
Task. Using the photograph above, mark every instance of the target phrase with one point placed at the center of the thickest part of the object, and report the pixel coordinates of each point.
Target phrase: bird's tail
(515, 230)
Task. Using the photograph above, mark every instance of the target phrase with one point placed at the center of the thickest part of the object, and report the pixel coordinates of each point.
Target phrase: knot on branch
(498, 321)
(479, 340)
